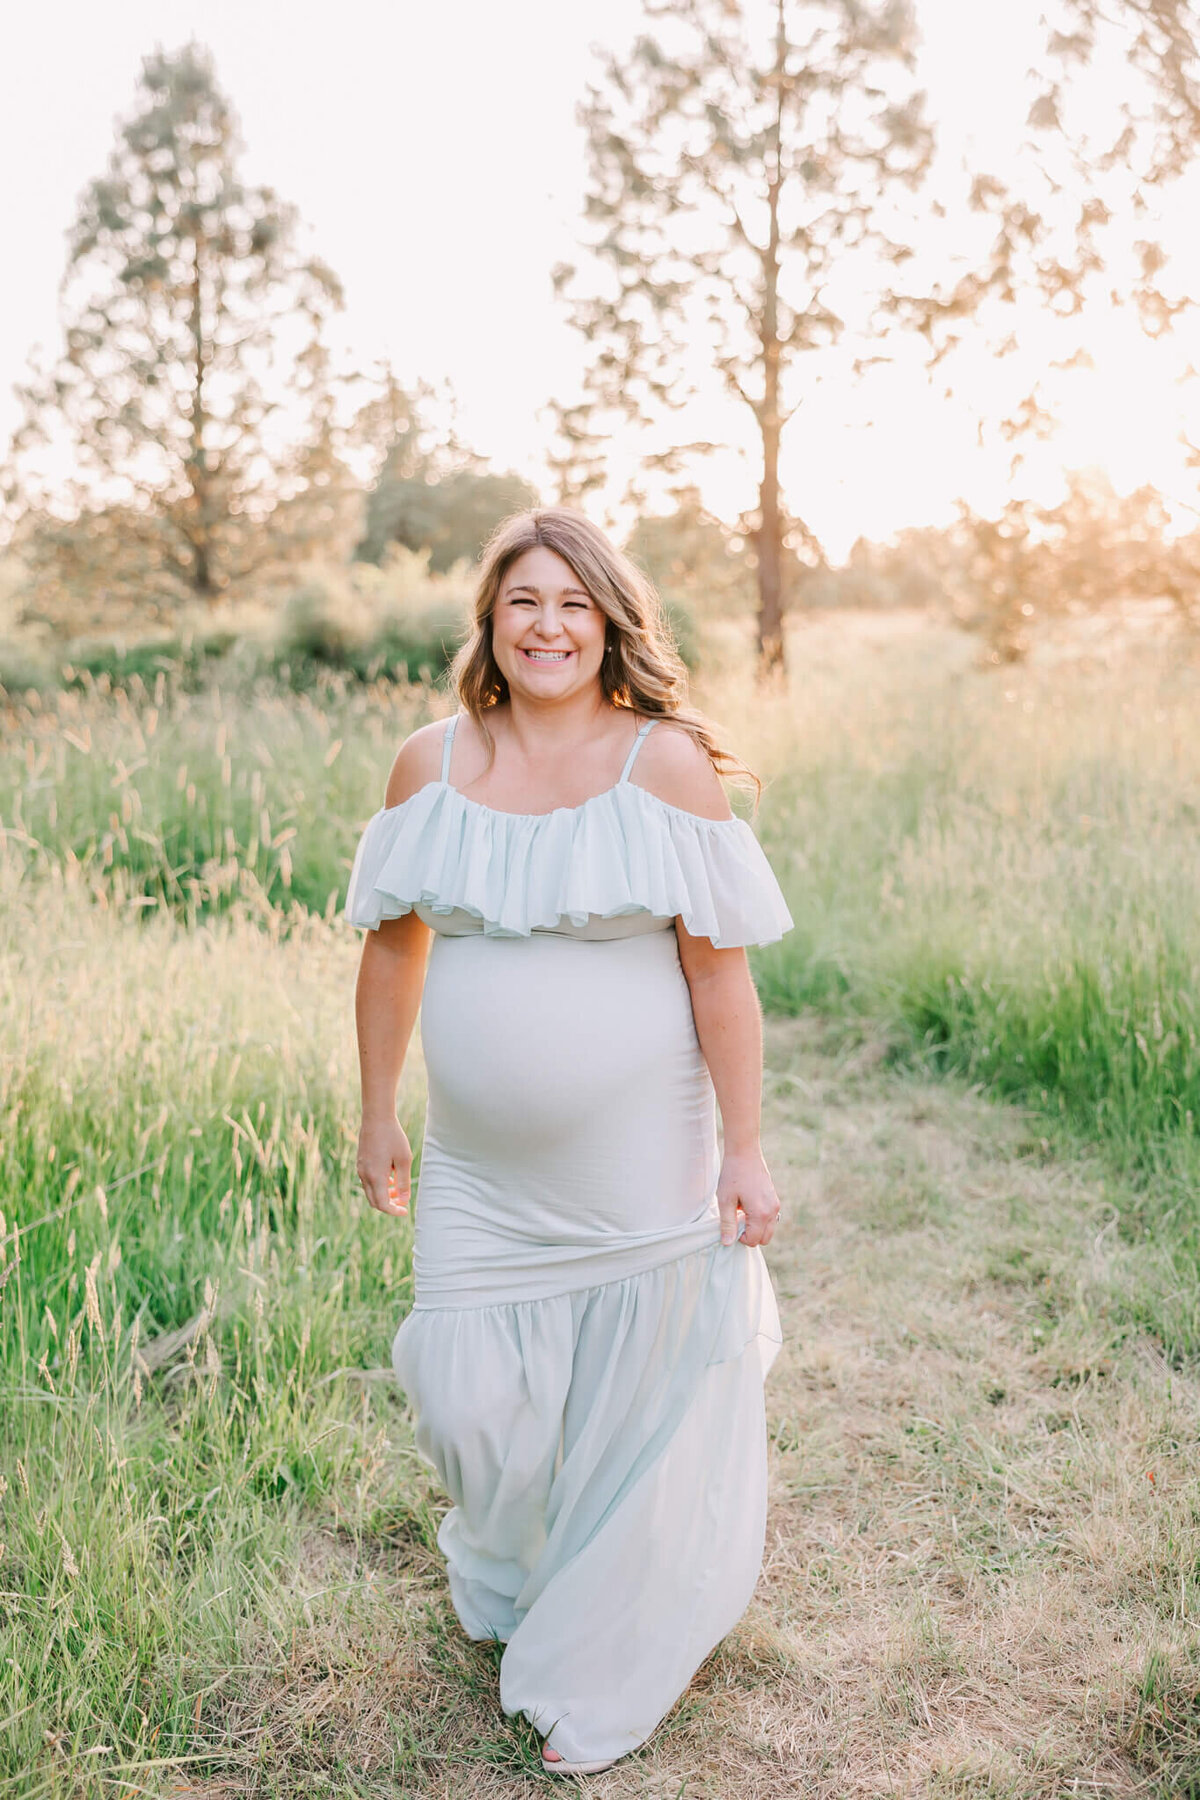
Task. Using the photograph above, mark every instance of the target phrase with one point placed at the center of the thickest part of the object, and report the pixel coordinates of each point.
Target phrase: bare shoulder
(673, 767)
(418, 762)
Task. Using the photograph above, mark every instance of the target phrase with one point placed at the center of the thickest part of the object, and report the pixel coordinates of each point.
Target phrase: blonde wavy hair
(640, 670)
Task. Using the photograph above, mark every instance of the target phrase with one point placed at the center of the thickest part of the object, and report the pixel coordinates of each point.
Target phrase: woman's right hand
(385, 1166)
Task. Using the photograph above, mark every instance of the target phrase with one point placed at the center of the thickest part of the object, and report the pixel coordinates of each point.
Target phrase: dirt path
(985, 1499)
(982, 1500)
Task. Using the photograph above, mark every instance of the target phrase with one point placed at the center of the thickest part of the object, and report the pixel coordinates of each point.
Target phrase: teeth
(548, 655)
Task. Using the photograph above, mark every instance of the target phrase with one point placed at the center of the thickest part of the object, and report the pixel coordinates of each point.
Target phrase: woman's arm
(729, 1027)
(387, 998)
(724, 1003)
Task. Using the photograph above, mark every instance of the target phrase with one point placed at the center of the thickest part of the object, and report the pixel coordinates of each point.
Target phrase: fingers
(387, 1193)
(746, 1198)
(759, 1230)
(728, 1208)
(750, 1218)
(759, 1220)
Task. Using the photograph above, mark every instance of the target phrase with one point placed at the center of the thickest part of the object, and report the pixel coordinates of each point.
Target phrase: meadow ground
(985, 1513)
(218, 1572)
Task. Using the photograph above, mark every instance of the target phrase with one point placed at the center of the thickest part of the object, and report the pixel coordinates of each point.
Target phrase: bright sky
(434, 154)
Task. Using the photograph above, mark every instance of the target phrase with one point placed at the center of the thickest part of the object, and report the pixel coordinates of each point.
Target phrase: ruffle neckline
(621, 851)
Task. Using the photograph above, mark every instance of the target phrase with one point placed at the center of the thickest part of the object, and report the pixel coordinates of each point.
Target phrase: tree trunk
(770, 557)
(204, 584)
(770, 531)
(202, 580)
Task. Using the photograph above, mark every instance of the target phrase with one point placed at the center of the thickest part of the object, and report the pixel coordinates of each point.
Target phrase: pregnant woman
(593, 1317)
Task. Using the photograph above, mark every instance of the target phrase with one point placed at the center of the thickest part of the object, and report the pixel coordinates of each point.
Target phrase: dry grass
(984, 1539)
(981, 1566)
(983, 1569)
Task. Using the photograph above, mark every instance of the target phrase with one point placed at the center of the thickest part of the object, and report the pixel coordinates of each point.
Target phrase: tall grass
(1002, 870)
(194, 1301)
(191, 802)
(1002, 866)
(994, 873)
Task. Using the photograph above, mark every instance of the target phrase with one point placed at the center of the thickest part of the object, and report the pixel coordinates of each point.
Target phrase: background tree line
(758, 187)
(194, 440)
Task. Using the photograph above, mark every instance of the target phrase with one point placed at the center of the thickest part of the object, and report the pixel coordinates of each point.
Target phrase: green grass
(195, 1300)
(999, 867)
(192, 803)
(1000, 872)
(992, 876)
(170, 793)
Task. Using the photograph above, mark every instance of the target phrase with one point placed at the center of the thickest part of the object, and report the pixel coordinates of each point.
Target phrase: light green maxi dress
(584, 1358)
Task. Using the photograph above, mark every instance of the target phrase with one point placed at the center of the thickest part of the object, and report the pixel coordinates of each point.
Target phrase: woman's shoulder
(418, 762)
(673, 767)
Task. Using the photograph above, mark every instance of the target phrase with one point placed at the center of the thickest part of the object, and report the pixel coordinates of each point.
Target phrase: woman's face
(547, 631)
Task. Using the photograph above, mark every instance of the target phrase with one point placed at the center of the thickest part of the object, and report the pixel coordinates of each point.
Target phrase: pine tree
(193, 394)
(729, 172)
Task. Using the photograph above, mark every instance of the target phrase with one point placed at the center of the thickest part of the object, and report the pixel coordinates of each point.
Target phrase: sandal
(563, 1767)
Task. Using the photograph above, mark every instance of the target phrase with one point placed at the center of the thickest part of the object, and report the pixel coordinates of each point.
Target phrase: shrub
(115, 666)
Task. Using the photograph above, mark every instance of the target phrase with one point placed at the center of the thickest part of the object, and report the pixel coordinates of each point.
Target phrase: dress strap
(448, 746)
(635, 747)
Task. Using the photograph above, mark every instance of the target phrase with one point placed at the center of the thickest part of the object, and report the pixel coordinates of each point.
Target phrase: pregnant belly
(567, 1089)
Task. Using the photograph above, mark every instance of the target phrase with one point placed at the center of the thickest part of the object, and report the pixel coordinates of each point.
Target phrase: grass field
(217, 1565)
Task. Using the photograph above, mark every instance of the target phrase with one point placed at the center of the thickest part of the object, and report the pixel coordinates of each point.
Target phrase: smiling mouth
(547, 656)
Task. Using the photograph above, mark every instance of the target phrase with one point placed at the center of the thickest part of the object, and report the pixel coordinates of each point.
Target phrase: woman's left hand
(745, 1186)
